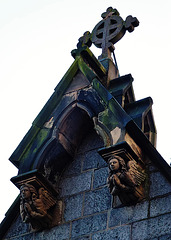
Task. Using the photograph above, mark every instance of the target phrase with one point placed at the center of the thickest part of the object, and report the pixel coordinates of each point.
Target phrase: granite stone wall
(87, 205)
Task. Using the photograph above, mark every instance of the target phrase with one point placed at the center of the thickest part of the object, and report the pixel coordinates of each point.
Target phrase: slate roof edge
(43, 114)
(89, 58)
(84, 56)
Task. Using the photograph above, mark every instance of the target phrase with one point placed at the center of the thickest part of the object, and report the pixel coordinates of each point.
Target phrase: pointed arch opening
(68, 134)
(73, 129)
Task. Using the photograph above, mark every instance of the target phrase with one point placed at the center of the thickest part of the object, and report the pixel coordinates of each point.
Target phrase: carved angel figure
(34, 206)
(125, 180)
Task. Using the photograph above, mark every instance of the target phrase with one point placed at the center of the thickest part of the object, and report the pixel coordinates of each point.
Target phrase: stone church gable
(87, 204)
(88, 167)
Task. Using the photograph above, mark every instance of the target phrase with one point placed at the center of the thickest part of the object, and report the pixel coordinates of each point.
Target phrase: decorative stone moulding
(127, 176)
(39, 205)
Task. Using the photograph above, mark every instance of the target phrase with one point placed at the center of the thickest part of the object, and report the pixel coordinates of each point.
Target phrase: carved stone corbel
(127, 176)
(39, 205)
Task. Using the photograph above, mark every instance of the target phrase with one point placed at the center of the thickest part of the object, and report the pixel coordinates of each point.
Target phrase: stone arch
(68, 132)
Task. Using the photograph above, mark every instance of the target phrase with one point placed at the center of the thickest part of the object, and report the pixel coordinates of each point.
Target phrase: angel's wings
(46, 198)
(136, 172)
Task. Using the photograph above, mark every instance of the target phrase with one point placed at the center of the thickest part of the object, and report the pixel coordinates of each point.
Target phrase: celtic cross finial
(108, 31)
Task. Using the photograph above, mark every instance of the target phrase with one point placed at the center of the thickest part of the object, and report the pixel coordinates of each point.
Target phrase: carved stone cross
(108, 31)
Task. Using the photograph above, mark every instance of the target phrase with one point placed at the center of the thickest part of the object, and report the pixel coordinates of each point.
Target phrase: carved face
(25, 193)
(114, 164)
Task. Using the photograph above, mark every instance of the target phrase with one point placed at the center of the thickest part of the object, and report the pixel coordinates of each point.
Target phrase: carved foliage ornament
(125, 180)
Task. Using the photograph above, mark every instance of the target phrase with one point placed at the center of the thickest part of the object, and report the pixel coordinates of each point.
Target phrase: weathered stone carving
(127, 173)
(39, 203)
(34, 206)
(111, 29)
(125, 180)
(108, 31)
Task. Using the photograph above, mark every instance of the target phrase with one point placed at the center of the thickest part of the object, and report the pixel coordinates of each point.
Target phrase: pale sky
(36, 38)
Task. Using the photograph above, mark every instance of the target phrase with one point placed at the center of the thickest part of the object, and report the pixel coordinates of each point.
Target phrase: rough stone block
(59, 232)
(75, 167)
(92, 141)
(76, 184)
(165, 237)
(82, 238)
(154, 238)
(153, 168)
(89, 225)
(160, 206)
(97, 201)
(124, 215)
(18, 228)
(119, 233)
(29, 236)
(117, 202)
(38, 236)
(100, 177)
(152, 228)
(73, 207)
(93, 160)
(159, 185)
